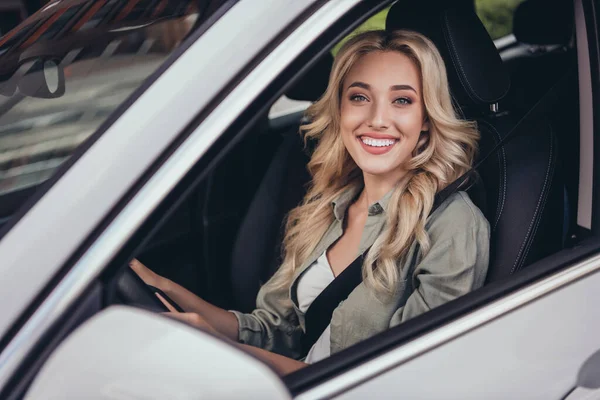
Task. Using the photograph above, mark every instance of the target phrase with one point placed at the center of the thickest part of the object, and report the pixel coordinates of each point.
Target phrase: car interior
(221, 238)
(224, 241)
(229, 231)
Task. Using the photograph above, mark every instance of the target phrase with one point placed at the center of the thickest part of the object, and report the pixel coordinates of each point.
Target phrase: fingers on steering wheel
(166, 303)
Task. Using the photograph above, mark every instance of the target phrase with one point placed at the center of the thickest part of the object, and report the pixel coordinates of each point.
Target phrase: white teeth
(377, 142)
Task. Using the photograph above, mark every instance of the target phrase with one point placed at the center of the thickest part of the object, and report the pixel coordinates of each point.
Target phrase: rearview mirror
(127, 353)
(44, 79)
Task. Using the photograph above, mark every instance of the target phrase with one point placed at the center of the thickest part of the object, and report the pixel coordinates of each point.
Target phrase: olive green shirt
(455, 265)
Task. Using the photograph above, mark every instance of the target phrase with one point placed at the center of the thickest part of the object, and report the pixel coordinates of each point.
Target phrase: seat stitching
(463, 75)
(541, 200)
(456, 61)
(502, 172)
(552, 164)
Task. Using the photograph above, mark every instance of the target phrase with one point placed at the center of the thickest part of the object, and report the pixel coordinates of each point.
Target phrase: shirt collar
(341, 204)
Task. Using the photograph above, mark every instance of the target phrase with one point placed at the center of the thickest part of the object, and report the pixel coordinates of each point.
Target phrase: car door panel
(534, 351)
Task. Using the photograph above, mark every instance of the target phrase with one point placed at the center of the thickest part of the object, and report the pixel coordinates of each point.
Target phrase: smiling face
(382, 113)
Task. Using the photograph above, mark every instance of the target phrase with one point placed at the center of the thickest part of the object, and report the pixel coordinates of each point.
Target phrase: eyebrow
(366, 86)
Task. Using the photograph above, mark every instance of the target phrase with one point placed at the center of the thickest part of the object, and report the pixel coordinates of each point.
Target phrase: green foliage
(376, 22)
(497, 15)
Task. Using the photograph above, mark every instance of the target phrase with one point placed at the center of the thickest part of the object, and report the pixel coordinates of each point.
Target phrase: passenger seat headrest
(475, 70)
(544, 22)
(312, 85)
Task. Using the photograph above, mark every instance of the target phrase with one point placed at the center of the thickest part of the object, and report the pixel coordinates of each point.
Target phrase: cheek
(410, 126)
(350, 118)
(409, 121)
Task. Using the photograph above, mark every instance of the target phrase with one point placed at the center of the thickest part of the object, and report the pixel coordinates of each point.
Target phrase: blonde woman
(388, 141)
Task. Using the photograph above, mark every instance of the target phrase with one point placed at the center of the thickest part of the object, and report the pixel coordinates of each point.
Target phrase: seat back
(544, 52)
(523, 184)
(257, 249)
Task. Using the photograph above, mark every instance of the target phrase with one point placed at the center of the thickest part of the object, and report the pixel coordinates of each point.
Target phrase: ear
(425, 126)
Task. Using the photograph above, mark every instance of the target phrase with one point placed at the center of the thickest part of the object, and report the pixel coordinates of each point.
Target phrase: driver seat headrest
(476, 74)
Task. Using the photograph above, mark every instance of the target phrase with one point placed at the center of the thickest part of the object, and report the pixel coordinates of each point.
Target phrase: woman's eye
(358, 97)
(403, 101)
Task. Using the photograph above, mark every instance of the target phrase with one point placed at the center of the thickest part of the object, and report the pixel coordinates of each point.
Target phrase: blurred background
(38, 134)
(495, 14)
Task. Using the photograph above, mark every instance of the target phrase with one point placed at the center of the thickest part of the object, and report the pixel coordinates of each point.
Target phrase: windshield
(64, 70)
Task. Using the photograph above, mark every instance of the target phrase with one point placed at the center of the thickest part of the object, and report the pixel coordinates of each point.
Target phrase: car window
(61, 79)
(497, 16)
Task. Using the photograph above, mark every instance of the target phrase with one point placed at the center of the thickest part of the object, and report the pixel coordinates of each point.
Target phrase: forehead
(384, 69)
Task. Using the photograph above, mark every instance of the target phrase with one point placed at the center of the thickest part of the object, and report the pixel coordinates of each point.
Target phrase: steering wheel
(131, 289)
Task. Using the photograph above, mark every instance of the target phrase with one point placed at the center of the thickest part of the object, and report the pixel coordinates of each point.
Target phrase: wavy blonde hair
(446, 153)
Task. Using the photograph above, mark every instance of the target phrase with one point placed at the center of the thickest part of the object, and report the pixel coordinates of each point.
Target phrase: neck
(376, 186)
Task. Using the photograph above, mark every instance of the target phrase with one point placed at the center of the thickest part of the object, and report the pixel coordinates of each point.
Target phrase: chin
(377, 169)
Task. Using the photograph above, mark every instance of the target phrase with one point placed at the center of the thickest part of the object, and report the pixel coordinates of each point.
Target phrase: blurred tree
(497, 15)
(377, 21)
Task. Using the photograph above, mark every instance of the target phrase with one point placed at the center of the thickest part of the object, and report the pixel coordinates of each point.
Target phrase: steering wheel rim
(132, 290)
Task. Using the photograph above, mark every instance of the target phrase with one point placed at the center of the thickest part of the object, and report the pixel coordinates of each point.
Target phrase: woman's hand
(148, 276)
(282, 365)
(210, 317)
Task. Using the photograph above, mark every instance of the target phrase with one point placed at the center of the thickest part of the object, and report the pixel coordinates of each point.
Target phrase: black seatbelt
(318, 316)
(319, 313)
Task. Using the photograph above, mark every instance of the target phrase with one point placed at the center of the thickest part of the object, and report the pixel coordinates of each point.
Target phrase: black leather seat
(544, 55)
(256, 251)
(544, 52)
(523, 182)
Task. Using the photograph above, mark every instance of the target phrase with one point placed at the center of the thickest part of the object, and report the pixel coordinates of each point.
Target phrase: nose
(379, 117)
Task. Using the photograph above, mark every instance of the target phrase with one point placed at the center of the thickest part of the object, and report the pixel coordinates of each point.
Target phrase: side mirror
(128, 353)
(44, 79)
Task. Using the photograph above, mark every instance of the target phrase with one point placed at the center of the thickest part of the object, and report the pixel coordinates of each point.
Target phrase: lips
(376, 143)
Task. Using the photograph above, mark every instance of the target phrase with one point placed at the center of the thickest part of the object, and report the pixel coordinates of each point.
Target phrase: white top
(310, 285)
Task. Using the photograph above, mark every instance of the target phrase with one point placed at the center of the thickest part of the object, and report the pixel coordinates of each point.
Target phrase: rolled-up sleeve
(273, 325)
(456, 265)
